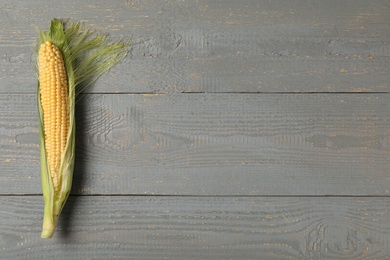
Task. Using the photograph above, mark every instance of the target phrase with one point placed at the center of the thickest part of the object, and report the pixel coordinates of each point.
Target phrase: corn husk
(87, 55)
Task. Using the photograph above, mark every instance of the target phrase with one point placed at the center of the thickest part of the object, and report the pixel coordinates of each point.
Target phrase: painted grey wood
(216, 46)
(210, 144)
(204, 145)
(199, 228)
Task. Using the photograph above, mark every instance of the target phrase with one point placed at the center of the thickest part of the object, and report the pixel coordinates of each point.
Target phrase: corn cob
(70, 58)
(53, 89)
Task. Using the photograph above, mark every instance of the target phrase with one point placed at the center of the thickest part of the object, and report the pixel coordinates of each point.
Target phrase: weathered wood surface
(234, 175)
(216, 46)
(202, 144)
(199, 228)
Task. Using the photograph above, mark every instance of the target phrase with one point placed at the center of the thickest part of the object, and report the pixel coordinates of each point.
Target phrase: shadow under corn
(65, 223)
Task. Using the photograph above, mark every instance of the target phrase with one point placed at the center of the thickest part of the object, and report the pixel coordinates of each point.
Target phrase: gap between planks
(225, 93)
(206, 196)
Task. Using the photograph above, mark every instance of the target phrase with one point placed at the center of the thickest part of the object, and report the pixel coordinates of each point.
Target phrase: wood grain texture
(237, 176)
(202, 144)
(199, 228)
(216, 46)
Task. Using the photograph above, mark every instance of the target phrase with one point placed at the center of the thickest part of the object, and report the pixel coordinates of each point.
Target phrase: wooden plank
(199, 228)
(202, 144)
(216, 46)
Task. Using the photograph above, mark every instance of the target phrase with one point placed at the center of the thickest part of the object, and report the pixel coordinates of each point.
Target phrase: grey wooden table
(233, 130)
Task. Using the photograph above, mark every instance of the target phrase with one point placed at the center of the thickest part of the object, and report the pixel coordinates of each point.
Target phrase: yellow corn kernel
(53, 89)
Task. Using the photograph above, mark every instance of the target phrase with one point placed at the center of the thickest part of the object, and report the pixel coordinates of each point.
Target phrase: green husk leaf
(87, 56)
